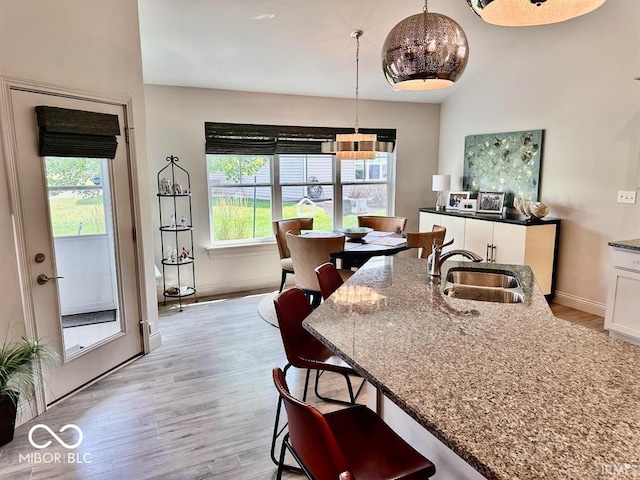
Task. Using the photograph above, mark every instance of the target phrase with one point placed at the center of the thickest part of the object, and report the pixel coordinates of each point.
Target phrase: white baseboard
(580, 303)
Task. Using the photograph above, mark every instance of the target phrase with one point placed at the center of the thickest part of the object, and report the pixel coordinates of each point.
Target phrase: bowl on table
(356, 233)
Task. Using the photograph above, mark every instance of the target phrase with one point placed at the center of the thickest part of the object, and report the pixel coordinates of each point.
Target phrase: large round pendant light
(425, 51)
(522, 13)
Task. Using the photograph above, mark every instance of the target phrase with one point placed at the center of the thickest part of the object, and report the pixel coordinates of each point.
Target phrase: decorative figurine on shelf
(184, 255)
(183, 222)
(172, 254)
(172, 222)
(177, 189)
(164, 188)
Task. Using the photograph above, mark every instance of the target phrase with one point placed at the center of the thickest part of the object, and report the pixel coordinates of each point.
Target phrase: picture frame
(490, 202)
(469, 205)
(454, 200)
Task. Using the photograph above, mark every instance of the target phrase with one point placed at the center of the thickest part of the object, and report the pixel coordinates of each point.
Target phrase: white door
(78, 225)
(509, 241)
(478, 238)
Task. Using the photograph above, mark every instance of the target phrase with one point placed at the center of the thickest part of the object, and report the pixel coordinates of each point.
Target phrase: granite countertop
(514, 391)
(627, 245)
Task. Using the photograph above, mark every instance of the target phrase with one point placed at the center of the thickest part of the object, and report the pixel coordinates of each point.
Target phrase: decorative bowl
(356, 233)
(538, 209)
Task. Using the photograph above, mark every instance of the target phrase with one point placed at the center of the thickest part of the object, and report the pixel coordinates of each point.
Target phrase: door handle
(42, 279)
(493, 254)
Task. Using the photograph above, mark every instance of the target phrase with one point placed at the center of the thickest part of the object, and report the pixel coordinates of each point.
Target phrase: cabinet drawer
(625, 259)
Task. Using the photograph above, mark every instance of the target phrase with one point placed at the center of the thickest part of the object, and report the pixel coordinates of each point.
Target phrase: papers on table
(389, 239)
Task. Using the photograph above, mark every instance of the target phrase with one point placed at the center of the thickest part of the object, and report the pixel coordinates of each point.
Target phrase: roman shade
(247, 139)
(76, 133)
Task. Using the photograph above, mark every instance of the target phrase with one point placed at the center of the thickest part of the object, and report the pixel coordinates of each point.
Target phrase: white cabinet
(519, 243)
(455, 227)
(623, 301)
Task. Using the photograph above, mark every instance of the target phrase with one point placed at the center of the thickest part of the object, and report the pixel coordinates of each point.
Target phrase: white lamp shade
(441, 183)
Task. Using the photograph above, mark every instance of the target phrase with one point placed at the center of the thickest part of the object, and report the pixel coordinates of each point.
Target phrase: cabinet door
(478, 237)
(509, 241)
(428, 220)
(623, 303)
(455, 231)
(539, 252)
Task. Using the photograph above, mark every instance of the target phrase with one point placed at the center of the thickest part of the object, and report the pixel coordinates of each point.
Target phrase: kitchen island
(513, 391)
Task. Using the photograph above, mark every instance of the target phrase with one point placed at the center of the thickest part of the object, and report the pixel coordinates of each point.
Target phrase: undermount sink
(483, 286)
(483, 294)
(482, 279)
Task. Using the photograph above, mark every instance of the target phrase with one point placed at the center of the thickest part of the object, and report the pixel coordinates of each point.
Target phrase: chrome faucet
(434, 262)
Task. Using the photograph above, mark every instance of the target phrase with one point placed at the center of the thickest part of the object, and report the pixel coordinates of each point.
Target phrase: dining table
(358, 251)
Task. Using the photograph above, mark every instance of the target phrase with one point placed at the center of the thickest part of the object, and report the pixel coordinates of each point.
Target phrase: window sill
(242, 250)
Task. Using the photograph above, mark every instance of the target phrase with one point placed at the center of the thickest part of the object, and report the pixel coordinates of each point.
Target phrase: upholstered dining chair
(383, 224)
(329, 279)
(309, 252)
(303, 350)
(350, 443)
(280, 227)
(424, 240)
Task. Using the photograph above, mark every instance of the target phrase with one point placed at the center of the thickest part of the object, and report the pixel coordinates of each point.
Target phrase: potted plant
(18, 377)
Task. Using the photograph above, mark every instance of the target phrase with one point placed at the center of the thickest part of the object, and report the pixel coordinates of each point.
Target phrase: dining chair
(329, 279)
(350, 443)
(424, 240)
(280, 228)
(383, 224)
(303, 350)
(309, 252)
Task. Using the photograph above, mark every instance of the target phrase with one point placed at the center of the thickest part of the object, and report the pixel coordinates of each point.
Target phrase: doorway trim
(11, 158)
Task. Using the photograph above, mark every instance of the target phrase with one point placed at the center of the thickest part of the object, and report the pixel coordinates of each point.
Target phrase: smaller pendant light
(523, 13)
(425, 51)
(356, 146)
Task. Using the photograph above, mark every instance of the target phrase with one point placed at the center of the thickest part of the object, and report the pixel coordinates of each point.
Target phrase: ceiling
(299, 47)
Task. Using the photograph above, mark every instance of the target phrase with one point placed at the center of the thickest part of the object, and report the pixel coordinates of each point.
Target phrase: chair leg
(284, 278)
(352, 397)
(306, 385)
(281, 465)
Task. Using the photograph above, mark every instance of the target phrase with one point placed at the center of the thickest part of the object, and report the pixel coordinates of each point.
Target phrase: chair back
(383, 224)
(281, 227)
(425, 240)
(329, 279)
(307, 253)
(292, 307)
(310, 435)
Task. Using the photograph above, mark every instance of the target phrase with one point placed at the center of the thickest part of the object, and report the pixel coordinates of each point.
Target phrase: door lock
(42, 279)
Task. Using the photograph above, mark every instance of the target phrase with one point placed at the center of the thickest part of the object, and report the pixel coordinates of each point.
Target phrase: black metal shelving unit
(174, 206)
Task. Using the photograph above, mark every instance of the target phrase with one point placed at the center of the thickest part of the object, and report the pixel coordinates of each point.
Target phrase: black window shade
(76, 133)
(247, 139)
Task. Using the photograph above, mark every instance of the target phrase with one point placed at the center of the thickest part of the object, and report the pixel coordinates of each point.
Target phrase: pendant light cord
(357, 34)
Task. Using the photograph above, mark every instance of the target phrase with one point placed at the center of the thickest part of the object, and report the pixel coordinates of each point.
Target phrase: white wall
(175, 122)
(575, 81)
(91, 45)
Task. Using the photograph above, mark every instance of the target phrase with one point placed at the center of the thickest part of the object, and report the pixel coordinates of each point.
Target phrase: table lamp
(440, 183)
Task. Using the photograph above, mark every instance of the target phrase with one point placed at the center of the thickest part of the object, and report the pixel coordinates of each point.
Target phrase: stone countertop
(514, 391)
(627, 245)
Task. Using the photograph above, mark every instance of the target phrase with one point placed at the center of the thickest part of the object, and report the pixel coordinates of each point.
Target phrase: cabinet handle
(487, 256)
(493, 254)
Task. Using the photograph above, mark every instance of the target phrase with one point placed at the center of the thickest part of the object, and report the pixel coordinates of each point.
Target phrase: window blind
(250, 139)
(64, 132)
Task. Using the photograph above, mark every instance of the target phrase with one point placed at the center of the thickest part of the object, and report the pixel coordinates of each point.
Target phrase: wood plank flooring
(201, 406)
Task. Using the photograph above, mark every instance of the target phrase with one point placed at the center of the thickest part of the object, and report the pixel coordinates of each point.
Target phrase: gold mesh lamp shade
(356, 146)
(425, 51)
(522, 13)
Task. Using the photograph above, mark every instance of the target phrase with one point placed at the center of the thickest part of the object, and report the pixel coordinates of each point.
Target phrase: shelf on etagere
(173, 195)
(186, 261)
(175, 292)
(167, 228)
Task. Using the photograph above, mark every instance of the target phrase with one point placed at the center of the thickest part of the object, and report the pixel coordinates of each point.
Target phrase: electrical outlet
(626, 196)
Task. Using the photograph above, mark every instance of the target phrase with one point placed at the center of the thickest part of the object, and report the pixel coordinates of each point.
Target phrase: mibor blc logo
(55, 457)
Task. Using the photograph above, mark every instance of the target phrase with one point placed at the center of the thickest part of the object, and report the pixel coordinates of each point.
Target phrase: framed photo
(490, 202)
(469, 206)
(454, 200)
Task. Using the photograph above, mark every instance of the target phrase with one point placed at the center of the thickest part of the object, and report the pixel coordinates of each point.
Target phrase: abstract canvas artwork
(504, 162)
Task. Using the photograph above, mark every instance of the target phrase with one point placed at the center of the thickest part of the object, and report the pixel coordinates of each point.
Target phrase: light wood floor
(201, 406)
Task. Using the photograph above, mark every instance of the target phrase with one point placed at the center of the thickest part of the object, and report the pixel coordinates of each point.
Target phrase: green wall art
(504, 162)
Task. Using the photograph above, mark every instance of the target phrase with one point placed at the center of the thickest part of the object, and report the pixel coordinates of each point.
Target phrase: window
(240, 193)
(258, 173)
(76, 195)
